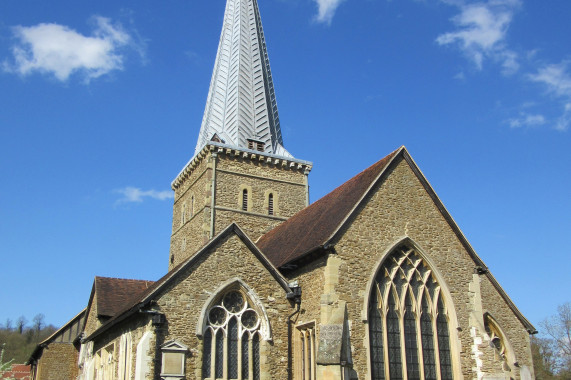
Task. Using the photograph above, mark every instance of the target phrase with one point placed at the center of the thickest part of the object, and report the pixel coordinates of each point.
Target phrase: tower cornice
(286, 163)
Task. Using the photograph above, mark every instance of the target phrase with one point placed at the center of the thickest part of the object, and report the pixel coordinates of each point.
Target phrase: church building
(373, 281)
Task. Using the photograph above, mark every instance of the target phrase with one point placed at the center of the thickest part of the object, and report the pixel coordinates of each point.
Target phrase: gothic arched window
(231, 342)
(408, 321)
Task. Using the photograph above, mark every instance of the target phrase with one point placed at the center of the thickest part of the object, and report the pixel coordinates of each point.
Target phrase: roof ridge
(122, 279)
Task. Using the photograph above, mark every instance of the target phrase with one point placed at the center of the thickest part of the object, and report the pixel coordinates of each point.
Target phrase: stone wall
(398, 209)
(58, 361)
(189, 236)
(232, 173)
(183, 301)
(92, 323)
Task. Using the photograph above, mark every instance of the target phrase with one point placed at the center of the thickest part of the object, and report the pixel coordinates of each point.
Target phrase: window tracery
(496, 338)
(231, 342)
(409, 332)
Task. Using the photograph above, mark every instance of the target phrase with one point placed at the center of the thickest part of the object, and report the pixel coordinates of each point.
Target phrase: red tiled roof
(114, 293)
(311, 227)
(18, 371)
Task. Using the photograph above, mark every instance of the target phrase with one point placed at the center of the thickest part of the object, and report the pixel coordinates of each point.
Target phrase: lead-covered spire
(241, 107)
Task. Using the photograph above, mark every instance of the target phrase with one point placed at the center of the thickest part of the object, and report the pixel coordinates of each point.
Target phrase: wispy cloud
(60, 51)
(527, 120)
(481, 32)
(326, 10)
(555, 77)
(136, 195)
(557, 80)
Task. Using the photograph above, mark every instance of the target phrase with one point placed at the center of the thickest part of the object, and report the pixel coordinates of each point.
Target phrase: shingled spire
(241, 108)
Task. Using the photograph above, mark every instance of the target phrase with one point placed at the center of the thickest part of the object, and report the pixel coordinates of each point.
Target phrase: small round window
(233, 302)
(249, 319)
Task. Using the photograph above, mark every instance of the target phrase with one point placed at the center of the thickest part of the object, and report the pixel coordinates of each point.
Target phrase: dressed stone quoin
(374, 281)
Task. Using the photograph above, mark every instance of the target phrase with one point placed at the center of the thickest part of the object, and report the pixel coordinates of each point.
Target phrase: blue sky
(101, 105)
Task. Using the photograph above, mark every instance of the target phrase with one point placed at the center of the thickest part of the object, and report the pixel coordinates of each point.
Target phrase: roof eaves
(40, 346)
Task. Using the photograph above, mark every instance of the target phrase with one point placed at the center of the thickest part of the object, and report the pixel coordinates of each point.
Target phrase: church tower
(240, 171)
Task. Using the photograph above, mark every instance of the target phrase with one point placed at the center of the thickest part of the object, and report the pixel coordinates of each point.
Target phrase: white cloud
(136, 195)
(527, 120)
(557, 80)
(564, 121)
(326, 10)
(60, 51)
(481, 33)
(555, 77)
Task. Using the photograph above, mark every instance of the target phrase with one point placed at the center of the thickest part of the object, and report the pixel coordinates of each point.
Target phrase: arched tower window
(231, 342)
(245, 199)
(271, 204)
(409, 326)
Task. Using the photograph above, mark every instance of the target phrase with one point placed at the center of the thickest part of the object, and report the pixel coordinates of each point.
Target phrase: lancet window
(409, 330)
(271, 204)
(245, 199)
(231, 342)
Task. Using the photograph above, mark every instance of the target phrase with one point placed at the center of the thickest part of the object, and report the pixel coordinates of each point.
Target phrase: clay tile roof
(114, 293)
(18, 371)
(310, 228)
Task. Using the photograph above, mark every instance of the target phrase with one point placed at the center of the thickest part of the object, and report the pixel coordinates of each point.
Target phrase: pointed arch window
(409, 332)
(231, 343)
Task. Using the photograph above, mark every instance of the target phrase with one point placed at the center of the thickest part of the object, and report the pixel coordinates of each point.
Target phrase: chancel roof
(241, 103)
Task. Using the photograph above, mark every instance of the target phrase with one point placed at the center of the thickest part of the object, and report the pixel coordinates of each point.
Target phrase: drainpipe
(306, 180)
(295, 294)
(213, 193)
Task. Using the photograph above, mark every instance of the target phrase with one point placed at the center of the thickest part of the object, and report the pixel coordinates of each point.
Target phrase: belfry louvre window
(271, 204)
(231, 343)
(409, 334)
(245, 199)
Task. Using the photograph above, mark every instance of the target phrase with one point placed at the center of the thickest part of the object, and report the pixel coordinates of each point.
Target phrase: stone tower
(240, 171)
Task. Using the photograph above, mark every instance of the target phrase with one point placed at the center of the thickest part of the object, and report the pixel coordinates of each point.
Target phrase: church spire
(241, 107)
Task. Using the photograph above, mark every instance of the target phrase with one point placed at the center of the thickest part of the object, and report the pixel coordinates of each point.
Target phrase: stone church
(373, 281)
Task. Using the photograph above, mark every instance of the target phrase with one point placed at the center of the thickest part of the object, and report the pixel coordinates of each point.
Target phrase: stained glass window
(231, 320)
(406, 280)
(427, 343)
(443, 343)
(393, 335)
(245, 357)
(219, 365)
(411, 346)
(233, 349)
(376, 338)
(256, 354)
(207, 354)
